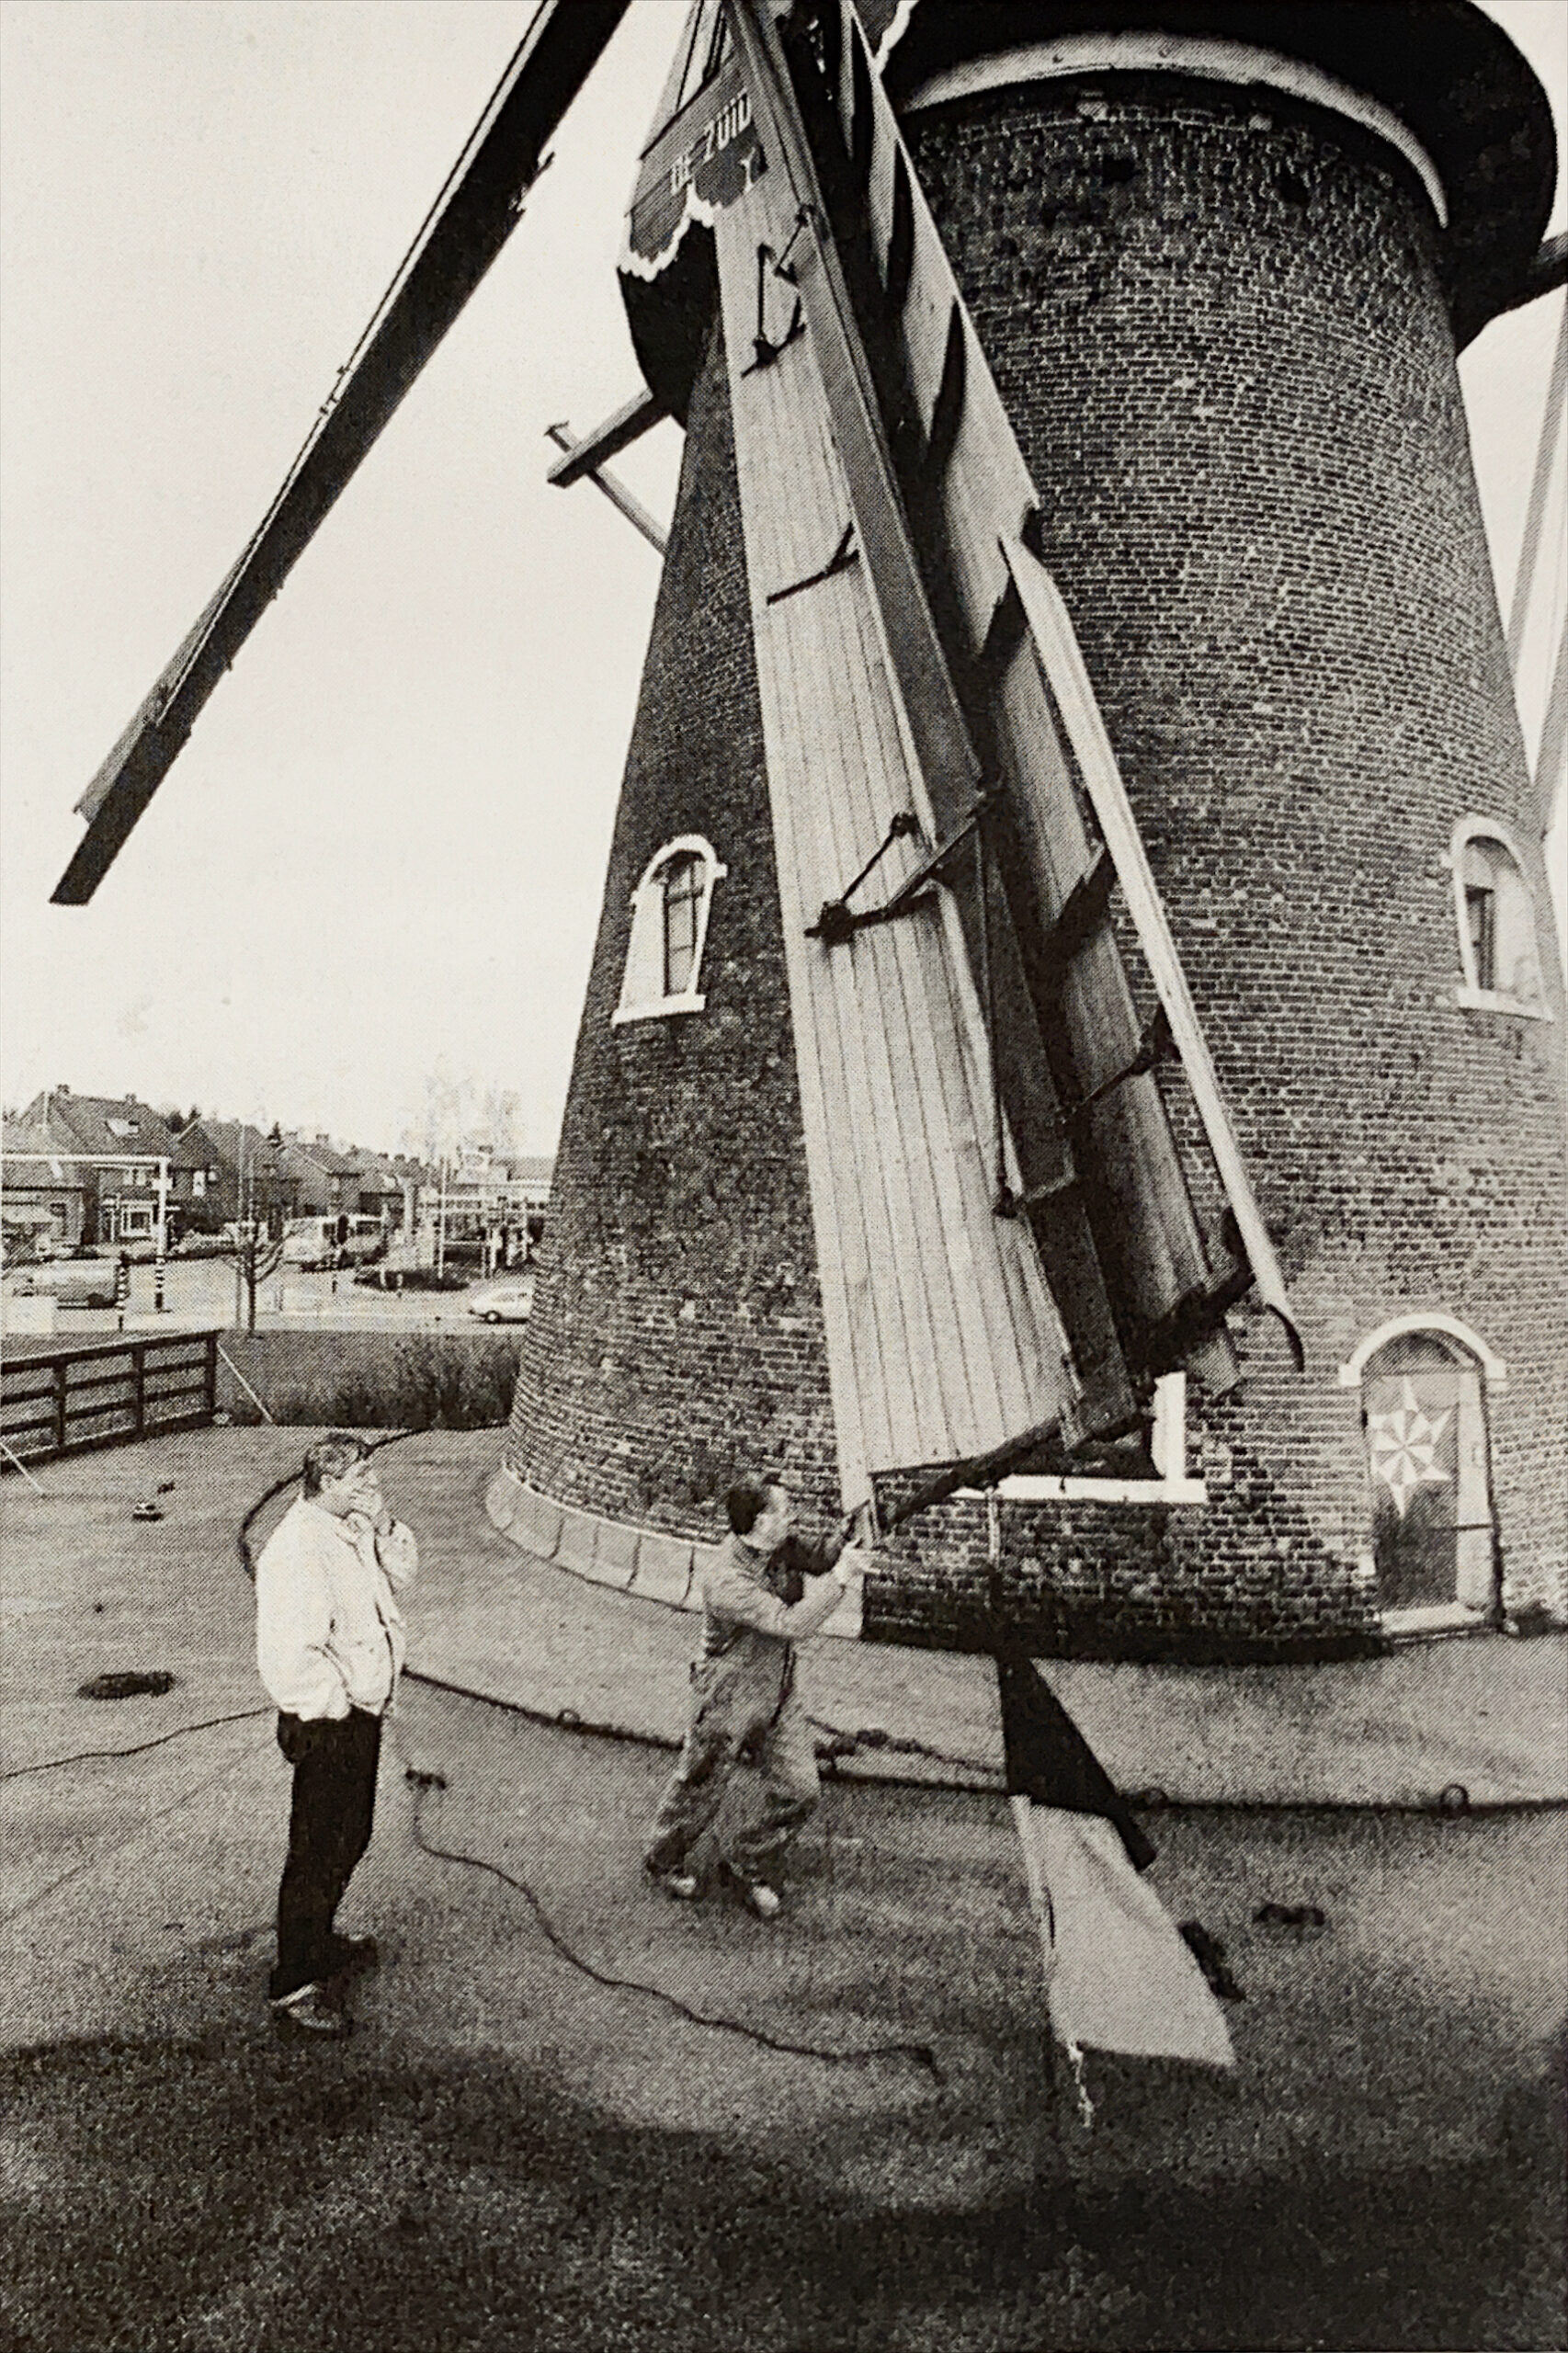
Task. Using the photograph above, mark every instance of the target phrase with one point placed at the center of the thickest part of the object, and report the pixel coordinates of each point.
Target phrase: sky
(377, 866)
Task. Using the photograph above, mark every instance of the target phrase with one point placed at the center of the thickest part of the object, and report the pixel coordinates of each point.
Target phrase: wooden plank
(1062, 663)
(638, 415)
(984, 494)
(942, 765)
(921, 1311)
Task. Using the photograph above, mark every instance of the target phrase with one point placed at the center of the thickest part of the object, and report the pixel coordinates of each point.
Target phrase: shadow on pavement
(242, 2194)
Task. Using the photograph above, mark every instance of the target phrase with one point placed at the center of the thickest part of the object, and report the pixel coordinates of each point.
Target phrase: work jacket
(746, 1665)
(329, 1634)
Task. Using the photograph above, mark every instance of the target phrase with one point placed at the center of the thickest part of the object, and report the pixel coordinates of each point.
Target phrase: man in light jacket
(330, 1644)
(763, 1592)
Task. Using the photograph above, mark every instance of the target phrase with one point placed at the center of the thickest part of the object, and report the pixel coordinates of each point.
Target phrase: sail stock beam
(631, 422)
(465, 233)
(620, 497)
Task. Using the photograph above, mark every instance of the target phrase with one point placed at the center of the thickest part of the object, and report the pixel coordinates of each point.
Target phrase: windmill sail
(465, 232)
(1007, 634)
(942, 1336)
(919, 1034)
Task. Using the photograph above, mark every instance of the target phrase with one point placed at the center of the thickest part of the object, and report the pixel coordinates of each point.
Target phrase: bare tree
(256, 1250)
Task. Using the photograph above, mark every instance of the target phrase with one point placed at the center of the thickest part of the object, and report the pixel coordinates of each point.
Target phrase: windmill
(990, 1000)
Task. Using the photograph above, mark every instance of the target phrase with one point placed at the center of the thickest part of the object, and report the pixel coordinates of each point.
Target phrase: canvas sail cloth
(1118, 1971)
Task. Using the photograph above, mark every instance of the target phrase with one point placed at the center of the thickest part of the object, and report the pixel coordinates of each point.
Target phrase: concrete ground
(512, 2152)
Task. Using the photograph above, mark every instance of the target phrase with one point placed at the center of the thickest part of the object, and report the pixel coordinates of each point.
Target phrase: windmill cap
(1443, 68)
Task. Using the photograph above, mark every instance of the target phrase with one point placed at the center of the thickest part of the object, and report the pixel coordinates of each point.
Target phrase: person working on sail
(330, 1647)
(765, 1592)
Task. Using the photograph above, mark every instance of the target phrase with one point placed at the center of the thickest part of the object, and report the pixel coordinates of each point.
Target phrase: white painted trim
(647, 910)
(1168, 1446)
(1494, 1371)
(1469, 997)
(656, 1010)
(1146, 1492)
(1431, 1618)
(1470, 1000)
(1206, 59)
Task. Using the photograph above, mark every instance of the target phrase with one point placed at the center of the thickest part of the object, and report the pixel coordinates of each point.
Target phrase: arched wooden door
(1427, 1458)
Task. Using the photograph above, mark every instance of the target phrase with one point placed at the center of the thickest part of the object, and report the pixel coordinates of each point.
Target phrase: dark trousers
(329, 1828)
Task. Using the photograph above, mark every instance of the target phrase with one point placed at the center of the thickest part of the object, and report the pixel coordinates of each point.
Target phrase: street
(205, 1291)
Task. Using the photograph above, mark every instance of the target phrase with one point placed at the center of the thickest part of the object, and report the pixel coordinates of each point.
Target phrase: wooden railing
(68, 1401)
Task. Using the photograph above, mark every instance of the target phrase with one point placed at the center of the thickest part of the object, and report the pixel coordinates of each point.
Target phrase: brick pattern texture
(676, 1332)
(1220, 334)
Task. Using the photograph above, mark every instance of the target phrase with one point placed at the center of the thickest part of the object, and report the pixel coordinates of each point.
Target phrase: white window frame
(1172, 1484)
(1438, 1617)
(643, 997)
(1470, 996)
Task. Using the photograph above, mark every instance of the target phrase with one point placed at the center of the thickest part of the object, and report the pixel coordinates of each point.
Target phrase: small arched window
(1496, 922)
(669, 931)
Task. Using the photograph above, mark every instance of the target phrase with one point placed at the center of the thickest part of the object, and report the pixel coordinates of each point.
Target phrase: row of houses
(83, 1169)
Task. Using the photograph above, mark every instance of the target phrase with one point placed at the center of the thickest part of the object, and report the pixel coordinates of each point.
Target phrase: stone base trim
(645, 1562)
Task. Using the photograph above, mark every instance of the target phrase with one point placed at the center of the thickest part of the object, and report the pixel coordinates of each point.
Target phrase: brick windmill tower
(1217, 263)
(1074, 989)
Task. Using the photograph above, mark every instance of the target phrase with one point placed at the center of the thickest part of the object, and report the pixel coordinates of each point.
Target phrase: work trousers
(722, 1728)
(329, 1828)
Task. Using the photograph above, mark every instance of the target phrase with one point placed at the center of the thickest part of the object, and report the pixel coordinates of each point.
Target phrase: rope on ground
(90, 1755)
(108, 1855)
(920, 2055)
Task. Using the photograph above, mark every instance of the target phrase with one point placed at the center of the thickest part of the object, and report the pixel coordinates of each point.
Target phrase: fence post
(59, 1364)
(210, 1377)
(139, 1393)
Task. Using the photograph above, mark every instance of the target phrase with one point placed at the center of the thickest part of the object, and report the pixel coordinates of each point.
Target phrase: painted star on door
(1405, 1448)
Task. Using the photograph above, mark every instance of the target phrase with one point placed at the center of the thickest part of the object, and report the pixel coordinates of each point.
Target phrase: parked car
(506, 1301)
(68, 1286)
(340, 1241)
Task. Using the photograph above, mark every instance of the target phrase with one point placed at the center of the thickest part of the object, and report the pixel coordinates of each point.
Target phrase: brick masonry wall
(1221, 337)
(677, 1328)
(1219, 332)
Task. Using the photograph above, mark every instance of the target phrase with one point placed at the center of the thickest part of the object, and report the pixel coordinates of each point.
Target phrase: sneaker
(355, 1956)
(310, 2010)
(757, 1896)
(684, 1886)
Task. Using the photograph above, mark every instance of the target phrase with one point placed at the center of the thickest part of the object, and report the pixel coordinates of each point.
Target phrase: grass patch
(422, 1382)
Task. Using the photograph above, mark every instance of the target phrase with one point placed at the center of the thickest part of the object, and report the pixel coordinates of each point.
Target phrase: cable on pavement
(90, 1755)
(920, 2055)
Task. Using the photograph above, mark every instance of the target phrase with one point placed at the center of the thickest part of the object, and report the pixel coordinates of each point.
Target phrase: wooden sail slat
(931, 1416)
(465, 232)
(1160, 1257)
(942, 758)
(940, 1325)
(931, 1110)
(949, 1145)
(980, 503)
(1062, 663)
(840, 1199)
(787, 538)
(837, 1212)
